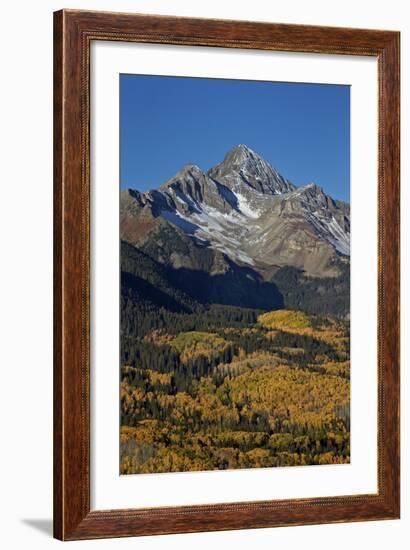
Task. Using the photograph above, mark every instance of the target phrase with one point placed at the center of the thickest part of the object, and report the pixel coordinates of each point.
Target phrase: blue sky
(303, 130)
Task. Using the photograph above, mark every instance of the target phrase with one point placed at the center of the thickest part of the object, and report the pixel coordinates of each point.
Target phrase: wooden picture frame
(73, 33)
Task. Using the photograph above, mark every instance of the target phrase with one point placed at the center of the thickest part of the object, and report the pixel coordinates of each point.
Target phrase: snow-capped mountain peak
(244, 209)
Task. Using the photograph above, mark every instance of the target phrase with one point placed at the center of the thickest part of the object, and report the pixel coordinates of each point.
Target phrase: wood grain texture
(58, 274)
(73, 33)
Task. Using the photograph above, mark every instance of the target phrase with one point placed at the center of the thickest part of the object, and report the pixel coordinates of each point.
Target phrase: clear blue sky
(303, 130)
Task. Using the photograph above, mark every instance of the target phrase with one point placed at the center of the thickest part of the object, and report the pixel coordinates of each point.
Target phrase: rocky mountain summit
(241, 214)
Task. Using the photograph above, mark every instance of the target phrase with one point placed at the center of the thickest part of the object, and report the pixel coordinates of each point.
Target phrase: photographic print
(235, 274)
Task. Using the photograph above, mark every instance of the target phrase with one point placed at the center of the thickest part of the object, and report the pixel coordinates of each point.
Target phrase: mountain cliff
(240, 214)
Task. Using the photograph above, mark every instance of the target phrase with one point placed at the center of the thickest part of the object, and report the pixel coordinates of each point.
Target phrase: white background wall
(26, 269)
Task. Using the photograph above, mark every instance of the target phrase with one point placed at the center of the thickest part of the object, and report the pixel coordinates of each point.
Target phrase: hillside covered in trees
(211, 386)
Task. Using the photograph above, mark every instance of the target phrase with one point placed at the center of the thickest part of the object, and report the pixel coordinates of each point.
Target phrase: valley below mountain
(235, 301)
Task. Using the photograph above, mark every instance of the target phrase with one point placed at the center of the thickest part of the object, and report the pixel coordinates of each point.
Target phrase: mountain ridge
(244, 210)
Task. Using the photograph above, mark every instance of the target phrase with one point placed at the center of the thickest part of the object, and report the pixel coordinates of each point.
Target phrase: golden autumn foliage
(329, 330)
(276, 393)
(193, 344)
(285, 319)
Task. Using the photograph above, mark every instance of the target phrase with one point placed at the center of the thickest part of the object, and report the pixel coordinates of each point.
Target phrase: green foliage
(286, 319)
(317, 296)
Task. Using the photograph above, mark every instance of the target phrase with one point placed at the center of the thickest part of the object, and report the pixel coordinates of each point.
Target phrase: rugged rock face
(242, 169)
(240, 213)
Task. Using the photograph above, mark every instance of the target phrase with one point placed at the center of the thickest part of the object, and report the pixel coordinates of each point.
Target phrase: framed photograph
(226, 275)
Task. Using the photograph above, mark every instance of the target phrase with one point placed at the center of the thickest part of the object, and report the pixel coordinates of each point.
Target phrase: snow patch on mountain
(330, 231)
(180, 221)
(246, 208)
(223, 231)
(340, 240)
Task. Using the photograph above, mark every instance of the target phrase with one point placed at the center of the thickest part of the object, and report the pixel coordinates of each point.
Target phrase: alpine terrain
(234, 321)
